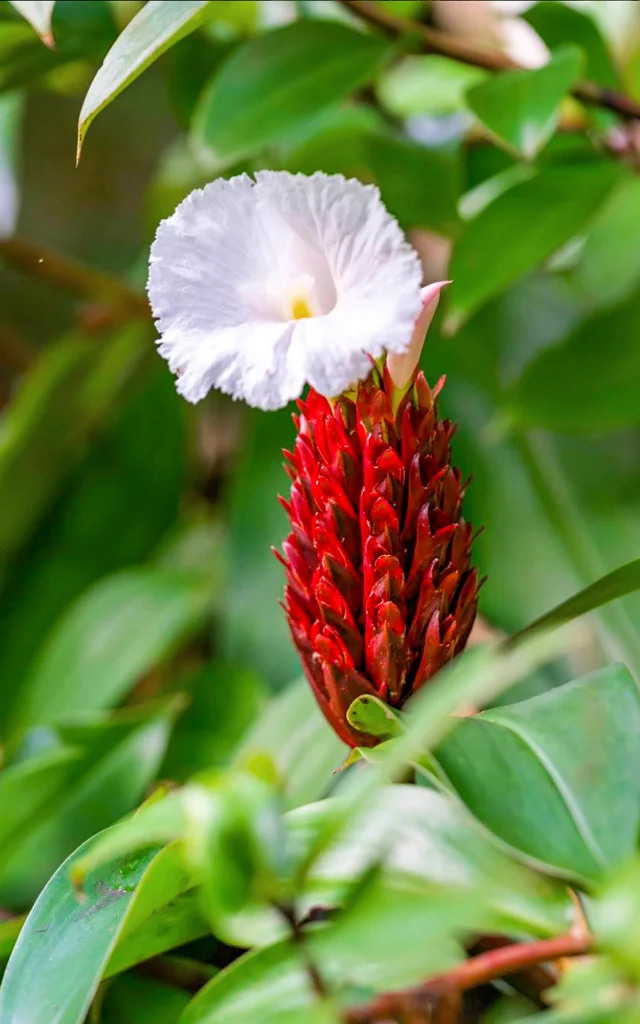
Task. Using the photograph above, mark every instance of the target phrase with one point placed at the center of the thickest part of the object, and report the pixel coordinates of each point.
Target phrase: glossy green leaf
(306, 751)
(159, 25)
(558, 24)
(38, 13)
(523, 227)
(573, 388)
(119, 629)
(65, 944)
(177, 923)
(273, 84)
(419, 186)
(623, 580)
(427, 85)
(120, 756)
(521, 107)
(609, 267)
(557, 776)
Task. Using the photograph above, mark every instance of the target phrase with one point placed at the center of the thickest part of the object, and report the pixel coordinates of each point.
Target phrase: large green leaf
(521, 107)
(609, 266)
(38, 13)
(159, 25)
(66, 943)
(558, 776)
(119, 629)
(587, 384)
(29, 787)
(623, 580)
(521, 228)
(119, 757)
(419, 186)
(273, 84)
(558, 24)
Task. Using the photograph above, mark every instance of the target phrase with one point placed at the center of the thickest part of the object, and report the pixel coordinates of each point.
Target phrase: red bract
(380, 593)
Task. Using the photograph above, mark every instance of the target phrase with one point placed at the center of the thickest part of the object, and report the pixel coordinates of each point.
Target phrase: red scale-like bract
(380, 592)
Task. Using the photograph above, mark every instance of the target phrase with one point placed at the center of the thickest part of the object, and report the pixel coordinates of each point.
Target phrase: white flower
(259, 288)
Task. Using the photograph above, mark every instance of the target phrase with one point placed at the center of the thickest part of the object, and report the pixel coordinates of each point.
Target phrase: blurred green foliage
(143, 647)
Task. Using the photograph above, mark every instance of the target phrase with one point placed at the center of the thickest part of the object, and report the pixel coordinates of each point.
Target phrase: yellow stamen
(300, 309)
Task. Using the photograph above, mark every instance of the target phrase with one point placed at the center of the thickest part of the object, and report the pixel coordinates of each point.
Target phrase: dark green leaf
(621, 581)
(609, 267)
(558, 776)
(28, 788)
(575, 387)
(121, 755)
(38, 13)
(521, 107)
(136, 1000)
(521, 228)
(419, 186)
(273, 84)
(557, 24)
(154, 29)
(119, 629)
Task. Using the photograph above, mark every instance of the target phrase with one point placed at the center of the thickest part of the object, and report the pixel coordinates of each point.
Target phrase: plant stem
(297, 934)
(479, 970)
(435, 41)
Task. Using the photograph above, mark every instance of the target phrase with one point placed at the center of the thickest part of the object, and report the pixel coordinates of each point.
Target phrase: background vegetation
(141, 634)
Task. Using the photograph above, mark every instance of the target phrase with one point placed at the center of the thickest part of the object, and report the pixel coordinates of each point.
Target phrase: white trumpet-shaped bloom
(260, 287)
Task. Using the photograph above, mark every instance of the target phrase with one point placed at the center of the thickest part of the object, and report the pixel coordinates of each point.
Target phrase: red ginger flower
(380, 593)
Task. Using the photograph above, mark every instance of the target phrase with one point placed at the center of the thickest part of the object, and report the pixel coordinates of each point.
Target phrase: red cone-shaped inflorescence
(380, 593)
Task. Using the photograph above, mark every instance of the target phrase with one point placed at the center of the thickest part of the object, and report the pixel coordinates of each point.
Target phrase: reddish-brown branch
(479, 970)
(435, 41)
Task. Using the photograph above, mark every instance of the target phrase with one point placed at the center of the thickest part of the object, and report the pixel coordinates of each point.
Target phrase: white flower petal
(236, 260)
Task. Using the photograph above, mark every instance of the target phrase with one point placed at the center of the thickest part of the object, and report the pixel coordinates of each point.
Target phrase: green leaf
(587, 384)
(623, 580)
(527, 772)
(521, 107)
(121, 628)
(336, 141)
(558, 24)
(121, 754)
(419, 186)
(9, 931)
(179, 922)
(427, 85)
(293, 731)
(28, 788)
(273, 84)
(523, 227)
(371, 715)
(609, 266)
(159, 25)
(38, 13)
(65, 944)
